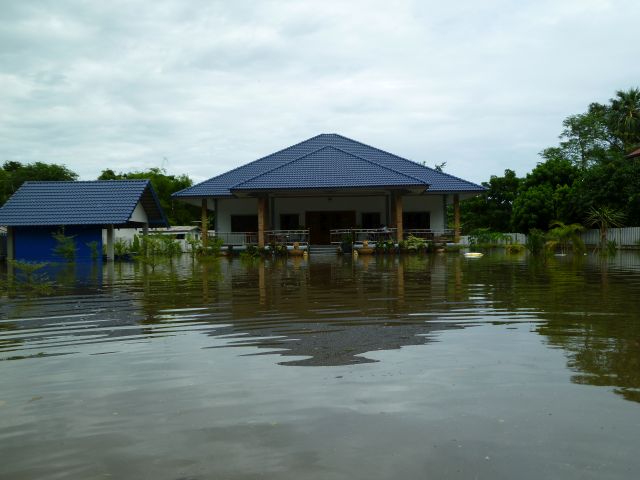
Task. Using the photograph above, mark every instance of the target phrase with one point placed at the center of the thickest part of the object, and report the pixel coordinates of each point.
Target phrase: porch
(303, 237)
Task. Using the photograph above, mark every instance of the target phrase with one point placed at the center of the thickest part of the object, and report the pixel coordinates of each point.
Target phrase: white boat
(473, 254)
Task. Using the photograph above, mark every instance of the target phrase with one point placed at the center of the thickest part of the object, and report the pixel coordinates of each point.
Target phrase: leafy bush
(65, 246)
(95, 251)
(535, 241)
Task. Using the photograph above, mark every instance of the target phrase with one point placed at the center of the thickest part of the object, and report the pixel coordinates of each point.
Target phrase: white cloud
(211, 85)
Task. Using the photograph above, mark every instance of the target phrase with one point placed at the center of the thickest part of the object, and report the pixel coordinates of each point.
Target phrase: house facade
(326, 185)
(38, 211)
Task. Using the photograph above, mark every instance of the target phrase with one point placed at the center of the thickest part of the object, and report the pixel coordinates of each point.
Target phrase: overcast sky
(199, 87)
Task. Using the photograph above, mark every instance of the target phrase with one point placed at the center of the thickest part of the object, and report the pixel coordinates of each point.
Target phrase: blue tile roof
(282, 171)
(101, 202)
(328, 167)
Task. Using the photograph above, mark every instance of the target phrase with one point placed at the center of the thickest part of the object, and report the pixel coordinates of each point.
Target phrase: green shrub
(65, 245)
(514, 248)
(95, 251)
(535, 241)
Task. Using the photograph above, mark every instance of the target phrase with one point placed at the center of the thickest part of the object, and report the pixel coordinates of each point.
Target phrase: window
(244, 223)
(371, 220)
(289, 221)
(416, 220)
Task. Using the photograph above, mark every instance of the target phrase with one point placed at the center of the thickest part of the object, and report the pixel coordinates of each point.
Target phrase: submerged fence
(627, 237)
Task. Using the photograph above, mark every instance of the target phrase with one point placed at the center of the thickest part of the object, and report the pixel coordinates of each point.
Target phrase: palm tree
(625, 110)
(562, 234)
(604, 218)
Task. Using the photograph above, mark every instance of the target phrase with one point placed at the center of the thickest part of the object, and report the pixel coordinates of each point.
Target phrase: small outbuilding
(79, 210)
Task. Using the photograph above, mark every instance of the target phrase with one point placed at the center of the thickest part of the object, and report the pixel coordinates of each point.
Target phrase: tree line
(589, 173)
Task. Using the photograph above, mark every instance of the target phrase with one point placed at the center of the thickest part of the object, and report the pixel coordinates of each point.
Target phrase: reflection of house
(326, 183)
(80, 210)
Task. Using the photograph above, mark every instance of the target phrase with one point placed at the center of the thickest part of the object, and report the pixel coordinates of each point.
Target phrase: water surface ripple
(328, 368)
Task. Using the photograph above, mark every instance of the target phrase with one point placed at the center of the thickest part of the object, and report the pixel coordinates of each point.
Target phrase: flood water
(329, 368)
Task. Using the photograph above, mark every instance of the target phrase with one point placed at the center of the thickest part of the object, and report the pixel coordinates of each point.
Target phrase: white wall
(234, 206)
(300, 205)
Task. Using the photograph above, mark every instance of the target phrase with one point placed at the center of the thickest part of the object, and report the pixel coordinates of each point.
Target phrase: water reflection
(337, 311)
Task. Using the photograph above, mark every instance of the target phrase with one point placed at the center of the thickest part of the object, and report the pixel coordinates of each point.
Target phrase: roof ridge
(405, 159)
(246, 165)
(279, 166)
(88, 181)
(380, 165)
(420, 182)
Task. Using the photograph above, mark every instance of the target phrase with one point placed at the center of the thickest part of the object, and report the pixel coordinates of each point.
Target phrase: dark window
(371, 220)
(411, 220)
(244, 223)
(289, 221)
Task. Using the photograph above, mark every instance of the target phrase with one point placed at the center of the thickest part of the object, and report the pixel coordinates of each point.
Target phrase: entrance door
(319, 224)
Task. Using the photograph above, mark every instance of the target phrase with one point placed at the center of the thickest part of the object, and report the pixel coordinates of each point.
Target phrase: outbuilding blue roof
(329, 161)
(100, 202)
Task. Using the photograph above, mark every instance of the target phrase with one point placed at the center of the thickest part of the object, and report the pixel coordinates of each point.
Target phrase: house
(324, 187)
(81, 210)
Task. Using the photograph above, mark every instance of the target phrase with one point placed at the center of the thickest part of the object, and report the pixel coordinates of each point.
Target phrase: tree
(545, 194)
(14, 174)
(604, 218)
(492, 209)
(625, 117)
(178, 213)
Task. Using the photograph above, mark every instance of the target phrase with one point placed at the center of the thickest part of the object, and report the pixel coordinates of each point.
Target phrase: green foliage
(170, 246)
(251, 251)
(562, 235)
(514, 248)
(278, 249)
(65, 246)
(545, 193)
(121, 248)
(95, 251)
(604, 218)
(14, 174)
(414, 244)
(28, 279)
(136, 246)
(493, 208)
(485, 237)
(535, 241)
(178, 213)
(385, 246)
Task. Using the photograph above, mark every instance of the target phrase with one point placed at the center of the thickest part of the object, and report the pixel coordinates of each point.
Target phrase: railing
(358, 235)
(429, 234)
(236, 238)
(287, 237)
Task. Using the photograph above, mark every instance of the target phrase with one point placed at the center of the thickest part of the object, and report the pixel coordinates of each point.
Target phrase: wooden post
(398, 215)
(110, 246)
(11, 252)
(456, 218)
(262, 210)
(204, 225)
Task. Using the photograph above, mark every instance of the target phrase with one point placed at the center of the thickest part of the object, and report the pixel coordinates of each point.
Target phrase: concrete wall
(300, 205)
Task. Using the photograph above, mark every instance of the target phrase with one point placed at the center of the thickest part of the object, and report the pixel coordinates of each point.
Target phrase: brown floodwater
(329, 368)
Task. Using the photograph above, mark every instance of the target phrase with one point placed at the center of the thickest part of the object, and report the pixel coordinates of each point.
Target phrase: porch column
(262, 213)
(456, 218)
(11, 253)
(398, 215)
(110, 250)
(145, 233)
(204, 225)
